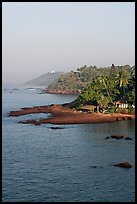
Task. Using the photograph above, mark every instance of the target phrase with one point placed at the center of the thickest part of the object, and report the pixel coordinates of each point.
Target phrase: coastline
(64, 115)
(74, 92)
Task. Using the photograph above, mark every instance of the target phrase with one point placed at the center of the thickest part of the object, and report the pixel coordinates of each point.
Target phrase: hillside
(114, 93)
(75, 81)
(45, 79)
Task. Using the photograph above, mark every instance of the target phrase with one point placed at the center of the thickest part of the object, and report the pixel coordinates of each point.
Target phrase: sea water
(74, 163)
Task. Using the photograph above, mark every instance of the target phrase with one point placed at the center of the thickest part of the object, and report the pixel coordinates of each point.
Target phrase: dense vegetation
(76, 81)
(110, 85)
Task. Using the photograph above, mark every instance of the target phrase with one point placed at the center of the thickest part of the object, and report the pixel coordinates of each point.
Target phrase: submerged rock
(27, 121)
(94, 166)
(118, 136)
(56, 128)
(107, 137)
(124, 165)
(30, 122)
(128, 138)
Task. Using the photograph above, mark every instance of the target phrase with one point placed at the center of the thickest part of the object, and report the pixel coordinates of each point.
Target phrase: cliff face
(45, 79)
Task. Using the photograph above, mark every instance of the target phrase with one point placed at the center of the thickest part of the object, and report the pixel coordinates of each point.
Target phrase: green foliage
(103, 102)
(99, 86)
(124, 111)
(113, 109)
(79, 79)
(131, 110)
(103, 91)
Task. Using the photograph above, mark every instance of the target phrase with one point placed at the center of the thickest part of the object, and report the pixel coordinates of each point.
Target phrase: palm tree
(112, 71)
(132, 78)
(103, 79)
(122, 81)
(131, 87)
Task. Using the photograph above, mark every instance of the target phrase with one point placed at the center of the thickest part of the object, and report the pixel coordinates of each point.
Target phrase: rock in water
(118, 136)
(107, 137)
(128, 138)
(55, 128)
(124, 165)
(37, 123)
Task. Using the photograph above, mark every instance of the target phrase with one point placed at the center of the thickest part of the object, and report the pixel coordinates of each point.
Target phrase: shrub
(111, 109)
(131, 110)
(124, 111)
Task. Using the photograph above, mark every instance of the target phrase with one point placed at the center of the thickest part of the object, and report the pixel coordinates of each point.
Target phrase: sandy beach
(64, 115)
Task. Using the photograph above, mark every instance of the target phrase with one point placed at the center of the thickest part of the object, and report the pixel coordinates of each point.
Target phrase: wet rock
(54, 128)
(29, 122)
(107, 137)
(128, 138)
(94, 166)
(118, 119)
(124, 165)
(118, 136)
(37, 123)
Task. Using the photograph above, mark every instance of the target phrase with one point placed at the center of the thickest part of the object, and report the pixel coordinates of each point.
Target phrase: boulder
(118, 136)
(124, 165)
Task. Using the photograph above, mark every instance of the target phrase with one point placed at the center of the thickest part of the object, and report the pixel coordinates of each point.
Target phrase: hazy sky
(38, 37)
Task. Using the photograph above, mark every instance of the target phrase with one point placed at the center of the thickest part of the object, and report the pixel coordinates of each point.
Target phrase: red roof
(119, 102)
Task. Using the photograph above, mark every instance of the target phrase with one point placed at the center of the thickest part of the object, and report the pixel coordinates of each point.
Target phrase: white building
(120, 104)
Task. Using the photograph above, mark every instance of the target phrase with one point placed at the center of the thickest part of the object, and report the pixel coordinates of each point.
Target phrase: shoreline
(64, 115)
(75, 92)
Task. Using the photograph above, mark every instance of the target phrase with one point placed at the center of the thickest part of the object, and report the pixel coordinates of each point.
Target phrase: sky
(38, 37)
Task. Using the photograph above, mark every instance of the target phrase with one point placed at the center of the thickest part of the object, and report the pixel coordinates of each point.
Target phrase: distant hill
(45, 79)
(74, 82)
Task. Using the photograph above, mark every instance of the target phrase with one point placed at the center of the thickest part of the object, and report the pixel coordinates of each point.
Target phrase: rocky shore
(69, 92)
(63, 115)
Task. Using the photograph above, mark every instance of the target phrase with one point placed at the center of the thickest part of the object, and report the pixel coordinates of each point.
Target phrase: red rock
(66, 115)
(124, 165)
(37, 123)
(118, 136)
